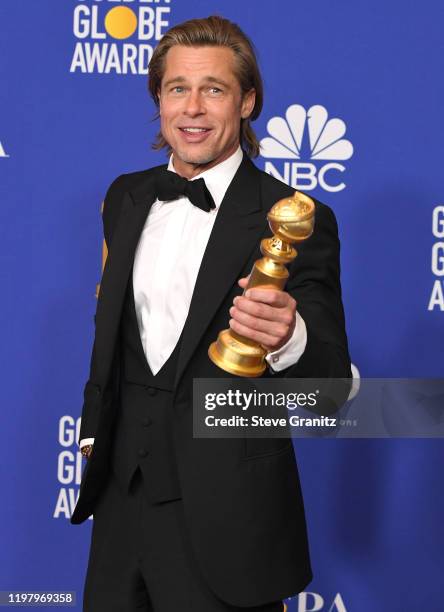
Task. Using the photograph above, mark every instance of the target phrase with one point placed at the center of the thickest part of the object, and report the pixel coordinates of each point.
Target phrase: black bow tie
(170, 186)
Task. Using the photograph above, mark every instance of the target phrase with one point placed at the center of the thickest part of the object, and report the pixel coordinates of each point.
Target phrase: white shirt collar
(218, 178)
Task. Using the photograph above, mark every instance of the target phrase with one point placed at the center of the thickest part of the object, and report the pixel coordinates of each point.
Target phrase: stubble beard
(196, 159)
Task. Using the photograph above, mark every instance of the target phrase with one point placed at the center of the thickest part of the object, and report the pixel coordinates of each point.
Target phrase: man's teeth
(194, 130)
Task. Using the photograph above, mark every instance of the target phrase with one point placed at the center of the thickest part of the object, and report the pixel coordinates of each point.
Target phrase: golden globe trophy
(291, 220)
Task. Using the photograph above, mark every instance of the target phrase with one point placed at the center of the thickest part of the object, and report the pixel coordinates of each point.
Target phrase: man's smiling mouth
(194, 130)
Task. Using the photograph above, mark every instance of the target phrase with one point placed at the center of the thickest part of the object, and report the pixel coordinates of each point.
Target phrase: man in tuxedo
(183, 523)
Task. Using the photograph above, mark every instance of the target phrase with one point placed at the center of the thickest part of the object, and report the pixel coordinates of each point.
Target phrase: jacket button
(146, 422)
(142, 452)
(151, 391)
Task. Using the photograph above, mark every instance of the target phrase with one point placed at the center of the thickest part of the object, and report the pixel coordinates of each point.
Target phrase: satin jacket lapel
(136, 205)
(239, 224)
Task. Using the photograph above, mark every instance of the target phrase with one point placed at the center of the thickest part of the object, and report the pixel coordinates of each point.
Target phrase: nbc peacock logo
(307, 134)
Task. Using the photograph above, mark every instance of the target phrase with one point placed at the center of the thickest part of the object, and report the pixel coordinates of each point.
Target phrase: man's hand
(266, 316)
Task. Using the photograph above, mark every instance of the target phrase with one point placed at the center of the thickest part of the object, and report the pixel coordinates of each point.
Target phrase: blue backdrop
(353, 114)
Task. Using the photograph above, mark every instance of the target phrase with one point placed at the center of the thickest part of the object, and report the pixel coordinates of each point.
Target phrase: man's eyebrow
(210, 79)
(178, 79)
(207, 79)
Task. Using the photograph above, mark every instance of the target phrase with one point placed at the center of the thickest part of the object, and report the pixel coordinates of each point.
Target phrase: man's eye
(215, 90)
(178, 89)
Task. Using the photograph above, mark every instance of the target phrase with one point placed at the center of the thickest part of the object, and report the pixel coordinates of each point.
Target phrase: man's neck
(218, 177)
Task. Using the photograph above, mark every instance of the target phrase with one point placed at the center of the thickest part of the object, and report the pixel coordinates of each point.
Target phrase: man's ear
(248, 102)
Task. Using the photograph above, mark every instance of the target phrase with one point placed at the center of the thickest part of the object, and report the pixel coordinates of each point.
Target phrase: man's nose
(194, 104)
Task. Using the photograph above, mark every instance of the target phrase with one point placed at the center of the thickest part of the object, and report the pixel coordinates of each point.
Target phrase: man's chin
(194, 158)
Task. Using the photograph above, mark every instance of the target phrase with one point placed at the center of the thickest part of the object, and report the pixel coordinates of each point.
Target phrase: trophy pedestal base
(237, 355)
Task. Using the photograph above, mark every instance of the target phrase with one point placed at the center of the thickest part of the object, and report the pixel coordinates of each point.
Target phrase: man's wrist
(290, 353)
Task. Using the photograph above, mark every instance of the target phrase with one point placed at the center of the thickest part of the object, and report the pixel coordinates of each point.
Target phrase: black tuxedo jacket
(241, 497)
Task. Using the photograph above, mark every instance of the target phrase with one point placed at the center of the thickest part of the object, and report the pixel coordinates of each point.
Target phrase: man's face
(201, 106)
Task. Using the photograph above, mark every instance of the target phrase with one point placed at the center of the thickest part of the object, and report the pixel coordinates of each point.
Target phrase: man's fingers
(270, 343)
(264, 311)
(271, 327)
(279, 299)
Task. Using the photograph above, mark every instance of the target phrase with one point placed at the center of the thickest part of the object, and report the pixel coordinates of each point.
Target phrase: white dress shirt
(166, 265)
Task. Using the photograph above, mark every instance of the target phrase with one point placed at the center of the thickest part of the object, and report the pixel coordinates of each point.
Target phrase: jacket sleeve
(92, 393)
(314, 282)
